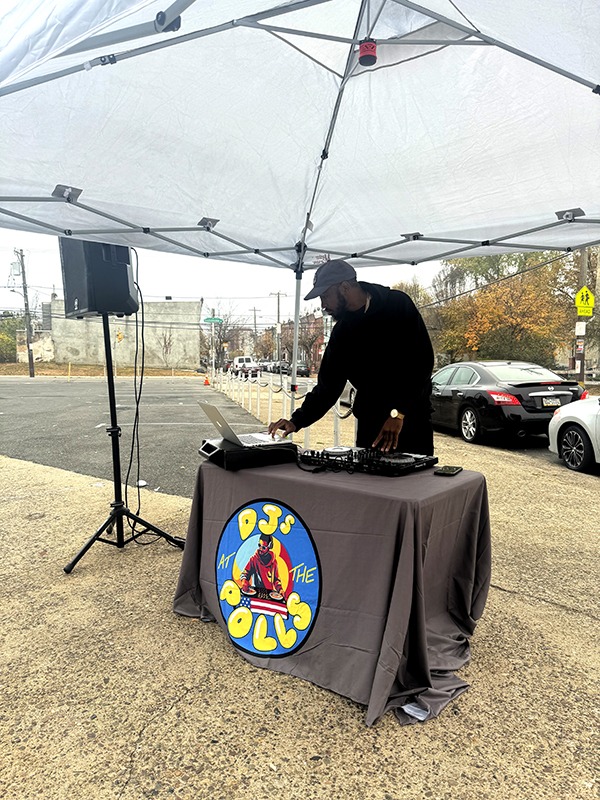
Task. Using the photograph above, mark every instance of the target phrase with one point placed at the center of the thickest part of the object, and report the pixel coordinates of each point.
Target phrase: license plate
(548, 402)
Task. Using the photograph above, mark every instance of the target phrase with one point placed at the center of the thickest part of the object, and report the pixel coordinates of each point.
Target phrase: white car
(246, 365)
(574, 433)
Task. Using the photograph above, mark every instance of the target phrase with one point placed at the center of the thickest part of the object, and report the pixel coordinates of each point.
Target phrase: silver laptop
(243, 439)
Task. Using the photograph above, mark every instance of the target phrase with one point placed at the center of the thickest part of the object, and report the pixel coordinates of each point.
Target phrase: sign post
(584, 302)
(213, 321)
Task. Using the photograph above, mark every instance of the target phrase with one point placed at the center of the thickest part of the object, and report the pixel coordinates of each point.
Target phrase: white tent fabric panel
(59, 26)
(447, 136)
(419, 166)
(563, 33)
(35, 31)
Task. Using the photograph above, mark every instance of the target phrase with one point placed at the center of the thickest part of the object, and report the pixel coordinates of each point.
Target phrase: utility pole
(581, 324)
(212, 343)
(200, 335)
(596, 254)
(21, 258)
(255, 331)
(278, 329)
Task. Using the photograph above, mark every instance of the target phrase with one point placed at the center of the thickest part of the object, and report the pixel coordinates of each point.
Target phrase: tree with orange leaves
(519, 318)
(505, 307)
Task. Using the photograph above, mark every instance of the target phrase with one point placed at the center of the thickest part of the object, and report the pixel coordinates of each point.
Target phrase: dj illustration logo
(268, 579)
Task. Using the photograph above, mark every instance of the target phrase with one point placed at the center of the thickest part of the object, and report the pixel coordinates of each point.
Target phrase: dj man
(380, 344)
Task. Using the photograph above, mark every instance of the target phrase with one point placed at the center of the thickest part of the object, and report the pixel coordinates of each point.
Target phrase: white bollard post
(270, 401)
(336, 424)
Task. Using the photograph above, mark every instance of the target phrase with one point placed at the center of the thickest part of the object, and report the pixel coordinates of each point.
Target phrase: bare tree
(229, 335)
(265, 344)
(287, 339)
(310, 331)
(165, 342)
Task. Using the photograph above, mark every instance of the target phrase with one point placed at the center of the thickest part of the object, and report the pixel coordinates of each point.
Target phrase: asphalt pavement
(62, 423)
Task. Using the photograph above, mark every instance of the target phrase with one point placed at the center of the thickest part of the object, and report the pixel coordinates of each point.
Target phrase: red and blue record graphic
(268, 579)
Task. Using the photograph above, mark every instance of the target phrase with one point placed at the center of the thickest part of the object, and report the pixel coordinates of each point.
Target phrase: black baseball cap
(329, 274)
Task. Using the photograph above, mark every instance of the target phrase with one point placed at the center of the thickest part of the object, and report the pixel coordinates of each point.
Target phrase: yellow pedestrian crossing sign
(585, 301)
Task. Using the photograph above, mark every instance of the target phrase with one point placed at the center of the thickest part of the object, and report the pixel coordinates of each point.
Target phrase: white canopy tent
(248, 130)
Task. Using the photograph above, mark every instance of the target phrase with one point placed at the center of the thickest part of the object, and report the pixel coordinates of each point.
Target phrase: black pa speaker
(97, 278)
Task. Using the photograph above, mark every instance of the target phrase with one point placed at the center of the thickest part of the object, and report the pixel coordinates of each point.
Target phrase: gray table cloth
(365, 585)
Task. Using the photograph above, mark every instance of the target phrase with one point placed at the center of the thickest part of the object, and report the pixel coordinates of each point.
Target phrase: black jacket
(385, 353)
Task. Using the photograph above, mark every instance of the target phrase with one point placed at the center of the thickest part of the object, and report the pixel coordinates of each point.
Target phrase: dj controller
(365, 459)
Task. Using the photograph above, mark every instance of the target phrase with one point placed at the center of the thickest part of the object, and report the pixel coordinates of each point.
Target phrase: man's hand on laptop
(282, 424)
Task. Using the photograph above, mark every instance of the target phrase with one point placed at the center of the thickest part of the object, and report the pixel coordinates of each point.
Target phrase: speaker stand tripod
(119, 510)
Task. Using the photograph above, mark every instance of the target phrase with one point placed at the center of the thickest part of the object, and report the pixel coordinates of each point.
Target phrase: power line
(498, 280)
(174, 298)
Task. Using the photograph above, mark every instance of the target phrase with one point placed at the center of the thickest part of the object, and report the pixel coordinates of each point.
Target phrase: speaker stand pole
(119, 511)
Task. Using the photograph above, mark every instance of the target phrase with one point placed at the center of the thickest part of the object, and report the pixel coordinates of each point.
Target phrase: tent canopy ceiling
(248, 130)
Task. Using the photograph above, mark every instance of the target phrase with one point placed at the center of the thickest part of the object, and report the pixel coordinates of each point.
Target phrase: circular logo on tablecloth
(268, 579)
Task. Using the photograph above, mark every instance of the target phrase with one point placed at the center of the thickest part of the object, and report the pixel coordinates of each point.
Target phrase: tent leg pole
(294, 379)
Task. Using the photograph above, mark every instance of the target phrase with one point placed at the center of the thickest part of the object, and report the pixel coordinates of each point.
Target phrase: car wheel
(469, 425)
(576, 449)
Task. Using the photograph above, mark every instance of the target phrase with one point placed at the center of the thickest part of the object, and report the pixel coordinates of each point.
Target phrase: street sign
(585, 301)
(216, 320)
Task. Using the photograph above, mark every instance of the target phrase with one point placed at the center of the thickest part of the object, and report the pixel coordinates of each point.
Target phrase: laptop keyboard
(251, 439)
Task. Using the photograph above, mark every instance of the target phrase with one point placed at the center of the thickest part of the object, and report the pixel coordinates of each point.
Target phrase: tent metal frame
(174, 12)
(158, 232)
(302, 250)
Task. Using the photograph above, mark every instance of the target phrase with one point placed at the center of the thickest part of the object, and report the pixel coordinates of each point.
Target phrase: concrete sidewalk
(107, 694)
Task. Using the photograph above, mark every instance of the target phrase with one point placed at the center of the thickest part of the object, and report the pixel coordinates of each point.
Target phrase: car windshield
(521, 374)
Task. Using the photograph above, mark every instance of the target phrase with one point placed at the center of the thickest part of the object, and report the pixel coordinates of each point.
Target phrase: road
(62, 423)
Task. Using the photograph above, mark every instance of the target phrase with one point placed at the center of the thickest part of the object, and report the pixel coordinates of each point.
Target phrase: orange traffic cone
(206, 381)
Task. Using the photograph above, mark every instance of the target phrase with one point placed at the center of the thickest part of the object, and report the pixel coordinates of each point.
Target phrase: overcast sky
(228, 287)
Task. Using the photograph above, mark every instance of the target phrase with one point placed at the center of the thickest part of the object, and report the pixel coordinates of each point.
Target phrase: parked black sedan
(481, 397)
